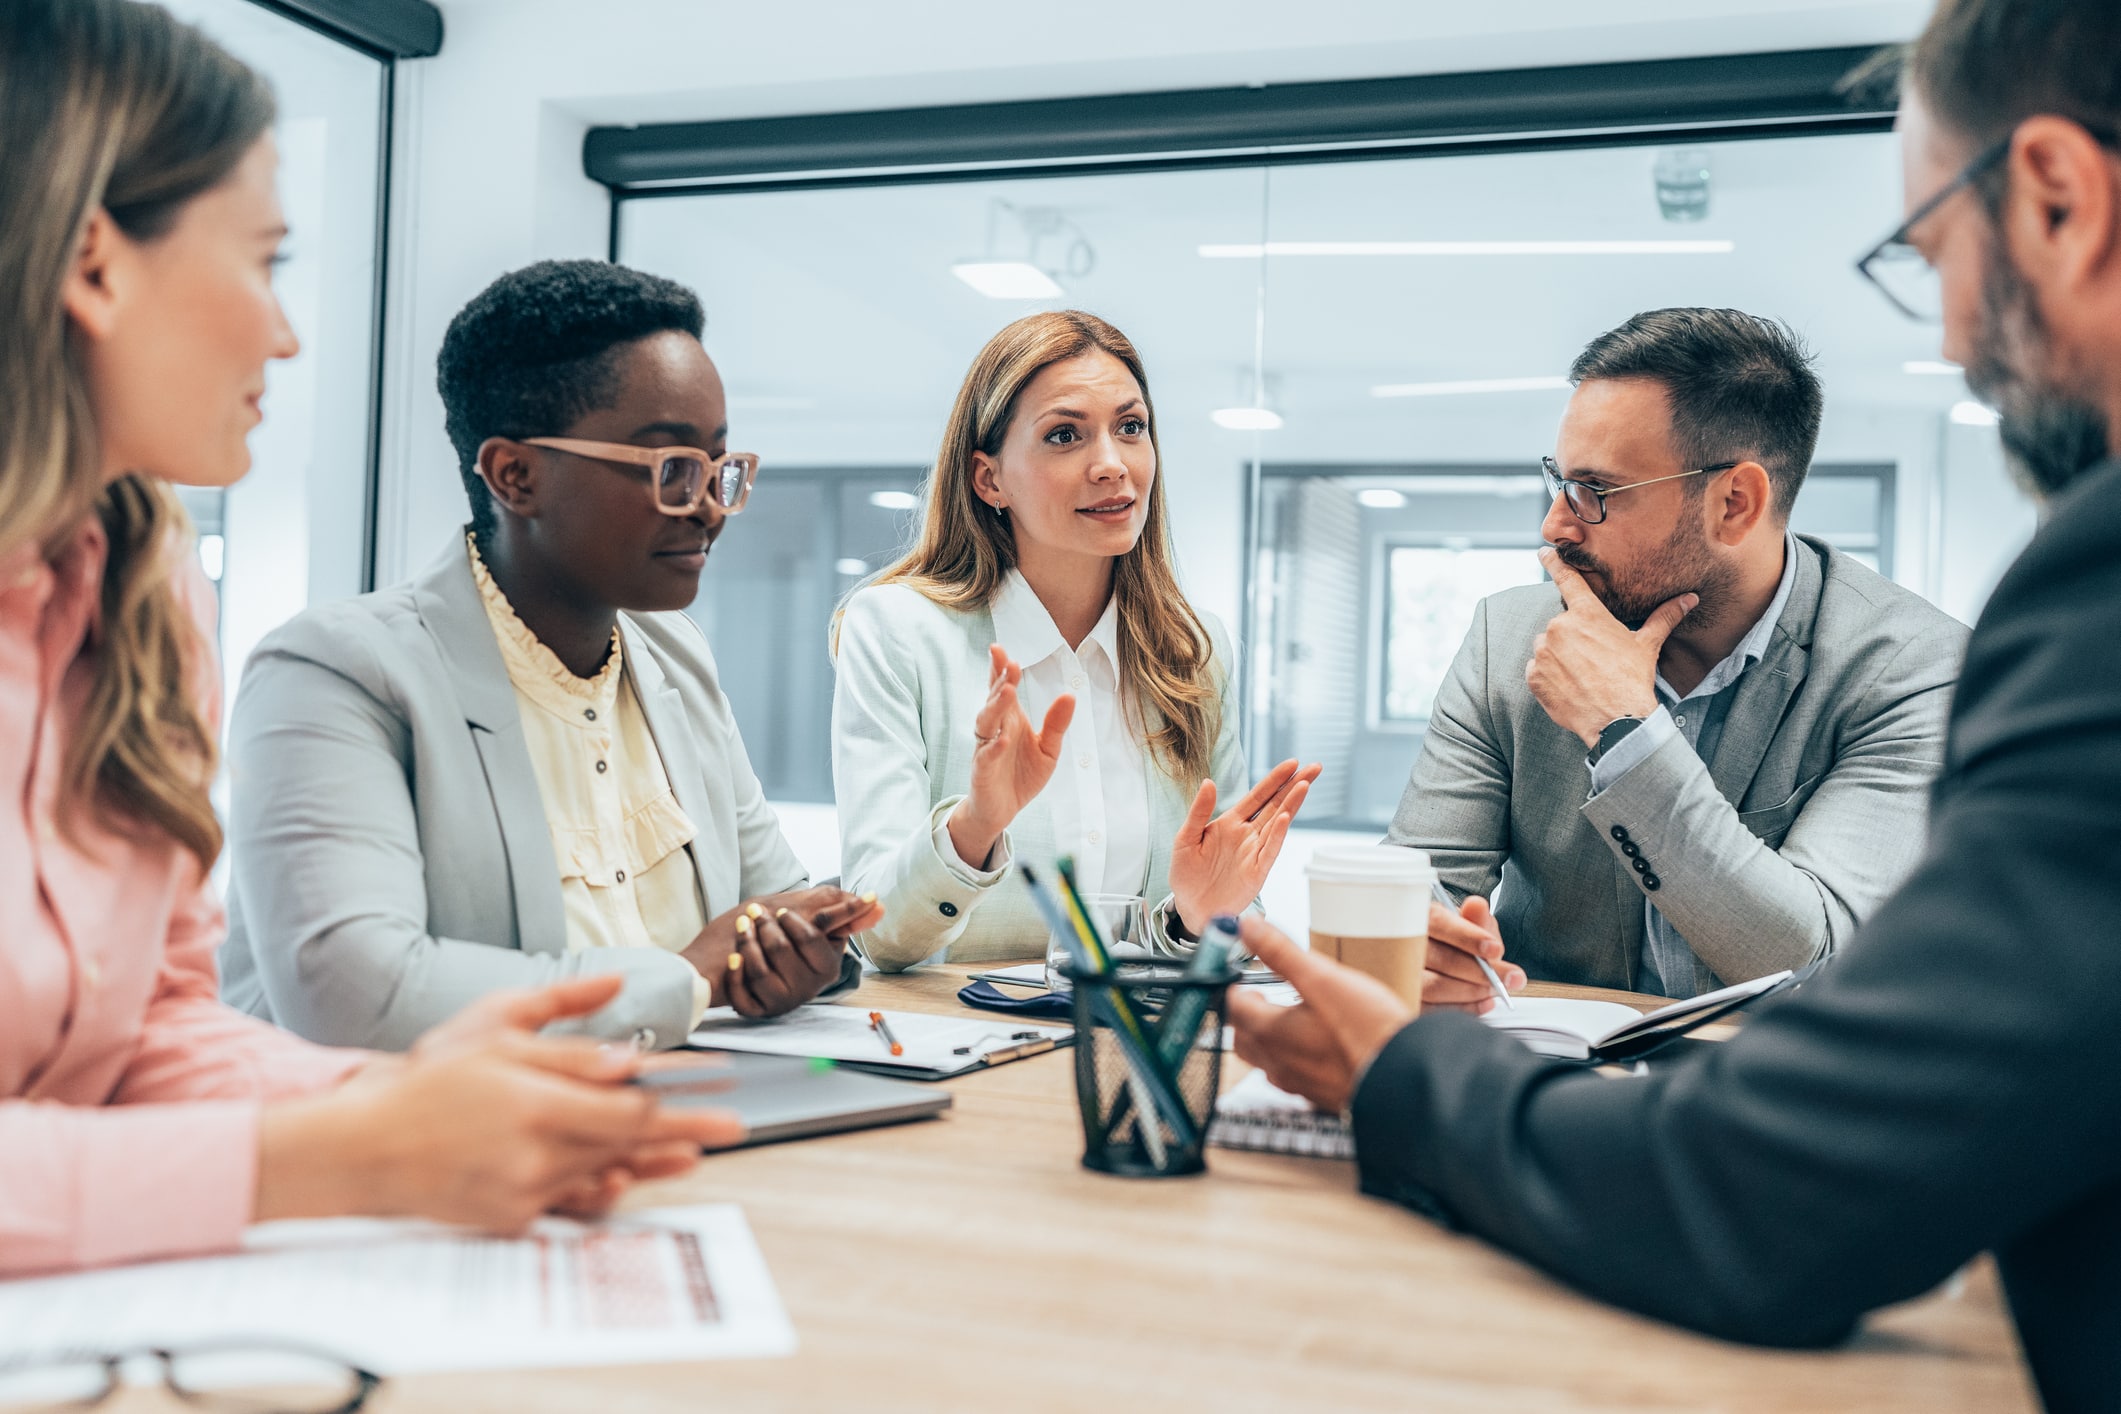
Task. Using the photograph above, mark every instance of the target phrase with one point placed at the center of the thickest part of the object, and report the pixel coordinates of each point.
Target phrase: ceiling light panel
(1007, 279)
(1468, 386)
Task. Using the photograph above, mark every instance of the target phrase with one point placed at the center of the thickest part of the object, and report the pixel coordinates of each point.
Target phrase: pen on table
(1502, 993)
(882, 1028)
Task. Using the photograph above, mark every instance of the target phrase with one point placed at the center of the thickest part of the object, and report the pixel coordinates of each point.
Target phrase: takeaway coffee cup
(1370, 910)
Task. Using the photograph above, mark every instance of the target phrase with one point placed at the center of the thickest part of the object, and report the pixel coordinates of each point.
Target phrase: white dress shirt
(1098, 799)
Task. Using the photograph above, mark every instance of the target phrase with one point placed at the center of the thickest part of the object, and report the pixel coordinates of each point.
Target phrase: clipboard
(935, 1047)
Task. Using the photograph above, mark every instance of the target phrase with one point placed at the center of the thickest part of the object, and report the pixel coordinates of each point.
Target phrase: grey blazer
(1811, 816)
(391, 859)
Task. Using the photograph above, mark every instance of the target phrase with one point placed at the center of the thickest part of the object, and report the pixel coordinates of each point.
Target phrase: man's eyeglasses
(1588, 501)
(248, 1377)
(681, 479)
(1900, 271)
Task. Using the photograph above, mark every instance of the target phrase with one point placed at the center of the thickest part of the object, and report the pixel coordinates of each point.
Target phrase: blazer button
(1652, 882)
(948, 910)
(1630, 848)
(1620, 832)
(1642, 866)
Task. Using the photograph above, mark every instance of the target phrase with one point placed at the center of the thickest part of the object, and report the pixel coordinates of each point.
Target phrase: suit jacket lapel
(663, 704)
(1763, 694)
(455, 617)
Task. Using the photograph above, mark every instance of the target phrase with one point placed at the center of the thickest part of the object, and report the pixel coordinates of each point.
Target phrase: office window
(1356, 364)
(807, 535)
(296, 529)
(1431, 592)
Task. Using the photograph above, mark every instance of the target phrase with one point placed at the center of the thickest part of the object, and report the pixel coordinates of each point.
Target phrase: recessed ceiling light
(853, 567)
(1246, 419)
(1469, 385)
(893, 500)
(1007, 279)
(1973, 414)
(1255, 251)
(1930, 368)
(1382, 498)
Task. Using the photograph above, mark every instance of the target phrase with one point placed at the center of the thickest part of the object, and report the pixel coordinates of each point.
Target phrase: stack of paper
(407, 1297)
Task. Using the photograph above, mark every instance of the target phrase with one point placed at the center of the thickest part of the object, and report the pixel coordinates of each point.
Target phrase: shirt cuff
(946, 850)
(1633, 749)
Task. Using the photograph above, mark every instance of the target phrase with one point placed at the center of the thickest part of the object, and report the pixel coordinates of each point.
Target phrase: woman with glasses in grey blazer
(1041, 591)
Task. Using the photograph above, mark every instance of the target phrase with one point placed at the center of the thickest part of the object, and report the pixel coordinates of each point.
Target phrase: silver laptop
(788, 1097)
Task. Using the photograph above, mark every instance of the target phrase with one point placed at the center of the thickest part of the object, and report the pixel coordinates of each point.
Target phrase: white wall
(488, 134)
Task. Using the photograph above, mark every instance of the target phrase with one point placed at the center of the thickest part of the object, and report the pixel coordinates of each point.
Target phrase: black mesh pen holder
(1137, 1049)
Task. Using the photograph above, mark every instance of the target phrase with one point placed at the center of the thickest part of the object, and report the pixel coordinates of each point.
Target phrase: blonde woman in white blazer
(1041, 588)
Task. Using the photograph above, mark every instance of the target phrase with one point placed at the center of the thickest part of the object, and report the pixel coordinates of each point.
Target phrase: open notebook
(1607, 1031)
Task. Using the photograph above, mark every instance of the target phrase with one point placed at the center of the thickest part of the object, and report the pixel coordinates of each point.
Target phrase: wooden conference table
(971, 1263)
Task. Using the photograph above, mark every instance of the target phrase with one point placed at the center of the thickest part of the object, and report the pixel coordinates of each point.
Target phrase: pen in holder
(1142, 1130)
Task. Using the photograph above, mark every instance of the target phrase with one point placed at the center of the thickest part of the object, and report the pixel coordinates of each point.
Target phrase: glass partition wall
(297, 528)
(1356, 365)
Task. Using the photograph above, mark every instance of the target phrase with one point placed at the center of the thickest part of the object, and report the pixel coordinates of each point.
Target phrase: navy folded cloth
(1058, 1006)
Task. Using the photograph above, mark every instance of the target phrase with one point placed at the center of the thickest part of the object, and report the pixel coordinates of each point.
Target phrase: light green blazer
(912, 675)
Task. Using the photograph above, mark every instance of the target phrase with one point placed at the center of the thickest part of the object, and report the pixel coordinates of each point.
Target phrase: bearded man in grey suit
(1702, 753)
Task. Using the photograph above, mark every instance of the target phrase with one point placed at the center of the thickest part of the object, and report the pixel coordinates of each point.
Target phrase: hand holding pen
(1466, 970)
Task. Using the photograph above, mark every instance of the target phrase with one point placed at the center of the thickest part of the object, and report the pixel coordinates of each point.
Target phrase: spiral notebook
(1255, 1115)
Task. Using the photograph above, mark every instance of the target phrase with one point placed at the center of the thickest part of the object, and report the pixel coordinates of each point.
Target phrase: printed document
(654, 1286)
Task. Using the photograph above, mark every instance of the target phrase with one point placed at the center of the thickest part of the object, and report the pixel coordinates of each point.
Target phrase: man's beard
(1684, 564)
(2049, 437)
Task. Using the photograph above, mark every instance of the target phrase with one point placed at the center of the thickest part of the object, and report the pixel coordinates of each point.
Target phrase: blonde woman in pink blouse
(138, 1116)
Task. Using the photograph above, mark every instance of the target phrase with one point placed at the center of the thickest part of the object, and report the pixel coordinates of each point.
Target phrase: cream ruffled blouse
(618, 833)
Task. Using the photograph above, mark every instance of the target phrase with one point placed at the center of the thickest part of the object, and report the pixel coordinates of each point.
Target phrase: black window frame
(387, 31)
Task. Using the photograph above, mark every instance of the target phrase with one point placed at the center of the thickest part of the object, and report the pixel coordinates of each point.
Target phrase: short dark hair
(534, 351)
(1739, 386)
(1985, 66)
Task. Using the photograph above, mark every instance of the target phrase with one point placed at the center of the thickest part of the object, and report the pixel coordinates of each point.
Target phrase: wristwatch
(1614, 732)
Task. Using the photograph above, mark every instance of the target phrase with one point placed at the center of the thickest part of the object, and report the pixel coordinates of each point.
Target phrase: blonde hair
(965, 550)
(111, 106)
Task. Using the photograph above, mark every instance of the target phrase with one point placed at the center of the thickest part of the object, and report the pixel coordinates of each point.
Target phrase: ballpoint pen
(1153, 1091)
(1502, 993)
(882, 1028)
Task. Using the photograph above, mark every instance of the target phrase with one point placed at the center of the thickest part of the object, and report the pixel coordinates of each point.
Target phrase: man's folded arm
(1747, 905)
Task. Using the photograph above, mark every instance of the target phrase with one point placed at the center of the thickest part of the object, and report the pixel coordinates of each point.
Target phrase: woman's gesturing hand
(484, 1122)
(1218, 863)
(1011, 763)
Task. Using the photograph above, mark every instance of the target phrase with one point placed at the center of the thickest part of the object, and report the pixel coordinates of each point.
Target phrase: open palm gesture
(1219, 862)
(1011, 762)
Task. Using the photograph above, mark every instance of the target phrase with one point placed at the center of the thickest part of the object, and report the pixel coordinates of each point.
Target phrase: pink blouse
(129, 1096)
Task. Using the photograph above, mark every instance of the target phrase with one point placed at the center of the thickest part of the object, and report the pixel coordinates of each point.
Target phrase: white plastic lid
(1369, 864)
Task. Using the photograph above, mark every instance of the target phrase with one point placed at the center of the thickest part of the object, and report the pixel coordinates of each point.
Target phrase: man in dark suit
(1950, 1084)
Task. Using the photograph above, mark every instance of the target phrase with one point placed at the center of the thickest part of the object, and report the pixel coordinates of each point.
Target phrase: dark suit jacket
(1950, 1084)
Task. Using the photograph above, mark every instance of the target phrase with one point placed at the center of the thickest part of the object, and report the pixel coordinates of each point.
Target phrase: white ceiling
(668, 60)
